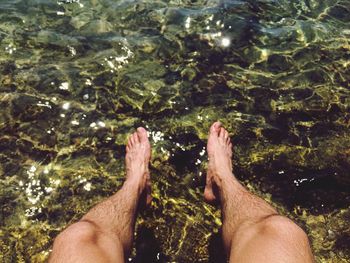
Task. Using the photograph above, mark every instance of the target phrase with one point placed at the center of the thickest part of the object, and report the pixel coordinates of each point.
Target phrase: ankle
(220, 172)
(134, 185)
(224, 177)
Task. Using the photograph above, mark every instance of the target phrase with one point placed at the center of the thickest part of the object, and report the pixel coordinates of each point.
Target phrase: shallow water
(78, 76)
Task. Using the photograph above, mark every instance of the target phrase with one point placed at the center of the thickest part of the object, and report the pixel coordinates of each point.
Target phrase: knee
(78, 233)
(283, 228)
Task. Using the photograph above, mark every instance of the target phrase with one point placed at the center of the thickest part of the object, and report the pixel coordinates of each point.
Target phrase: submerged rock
(96, 27)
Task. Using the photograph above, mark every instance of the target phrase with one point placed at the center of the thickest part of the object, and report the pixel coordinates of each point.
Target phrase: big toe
(142, 134)
(209, 196)
(215, 128)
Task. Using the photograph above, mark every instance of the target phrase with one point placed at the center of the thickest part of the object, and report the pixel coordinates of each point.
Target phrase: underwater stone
(103, 157)
(274, 135)
(6, 84)
(96, 27)
(316, 76)
(8, 68)
(340, 12)
(88, 95)
(7, 144)
(7, 166)
(81, 20)
(188, 73)
(277, 63)
(39, 131)
(29, 108)
(56, 39)
(104, 101)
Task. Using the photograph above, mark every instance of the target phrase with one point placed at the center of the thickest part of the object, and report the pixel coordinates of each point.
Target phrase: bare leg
(105, 233)
(252, 229)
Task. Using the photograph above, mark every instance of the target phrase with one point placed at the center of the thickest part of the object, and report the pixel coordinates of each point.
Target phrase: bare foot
(138, 155)
(220, 164)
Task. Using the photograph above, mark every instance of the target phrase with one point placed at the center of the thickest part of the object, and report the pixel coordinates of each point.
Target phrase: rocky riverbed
(77, 76)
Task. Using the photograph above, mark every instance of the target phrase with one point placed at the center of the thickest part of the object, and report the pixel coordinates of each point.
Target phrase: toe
(208, 192)
(130, 144)
(215, 128)
(136, 137)
(131, 141)
(222, 133)
(142, 134)
(226, 135)
(228, 140)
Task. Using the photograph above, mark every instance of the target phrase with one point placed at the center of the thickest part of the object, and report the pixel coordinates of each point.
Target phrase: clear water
(76, 77)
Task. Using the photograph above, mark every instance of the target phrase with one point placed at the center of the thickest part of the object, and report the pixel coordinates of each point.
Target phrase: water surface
(76, 77)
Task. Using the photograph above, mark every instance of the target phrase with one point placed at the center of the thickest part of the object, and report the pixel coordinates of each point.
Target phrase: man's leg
(252, 229)
(105, 233)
